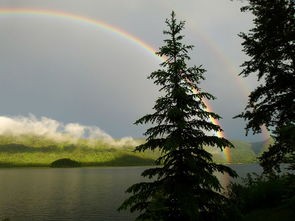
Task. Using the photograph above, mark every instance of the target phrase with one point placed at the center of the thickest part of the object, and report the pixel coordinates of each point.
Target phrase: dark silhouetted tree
(270, 46)
(182, 186)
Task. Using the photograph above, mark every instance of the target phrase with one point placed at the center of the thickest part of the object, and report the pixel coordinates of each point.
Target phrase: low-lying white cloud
(21, 125)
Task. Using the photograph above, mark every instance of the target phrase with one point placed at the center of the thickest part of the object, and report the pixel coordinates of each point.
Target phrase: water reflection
(73, 194)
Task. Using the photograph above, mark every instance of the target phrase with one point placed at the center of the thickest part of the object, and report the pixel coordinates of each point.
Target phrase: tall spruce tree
(182, 186)
(271, 48)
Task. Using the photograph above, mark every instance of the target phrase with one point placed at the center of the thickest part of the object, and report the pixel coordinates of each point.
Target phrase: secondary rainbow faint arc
(105, 26)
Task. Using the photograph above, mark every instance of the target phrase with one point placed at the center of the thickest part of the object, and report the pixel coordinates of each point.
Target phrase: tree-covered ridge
(31, 150)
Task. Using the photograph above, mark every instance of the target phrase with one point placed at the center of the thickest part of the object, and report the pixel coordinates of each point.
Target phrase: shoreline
(94, 165)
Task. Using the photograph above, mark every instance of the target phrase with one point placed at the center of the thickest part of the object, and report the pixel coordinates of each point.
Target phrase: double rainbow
(103, 26)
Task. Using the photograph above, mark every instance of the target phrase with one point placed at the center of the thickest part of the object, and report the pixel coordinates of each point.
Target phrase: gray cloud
(73, 72)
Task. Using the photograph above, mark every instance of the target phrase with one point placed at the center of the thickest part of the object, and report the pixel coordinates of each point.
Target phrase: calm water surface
(90, 194)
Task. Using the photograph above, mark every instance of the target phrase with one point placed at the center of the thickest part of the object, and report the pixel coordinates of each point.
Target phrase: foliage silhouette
(65, 162)
(259, 193)
(271, 48)
(182, 185)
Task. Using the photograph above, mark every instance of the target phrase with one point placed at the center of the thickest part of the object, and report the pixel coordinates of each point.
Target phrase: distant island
(40, 151)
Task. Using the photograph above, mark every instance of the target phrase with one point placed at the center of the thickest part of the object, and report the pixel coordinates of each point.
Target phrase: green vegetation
(263, 197)
(262, 146)
(242, 153)
(65, 162)
(38, 151)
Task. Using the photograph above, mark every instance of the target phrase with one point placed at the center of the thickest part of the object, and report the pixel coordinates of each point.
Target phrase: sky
(75, 72)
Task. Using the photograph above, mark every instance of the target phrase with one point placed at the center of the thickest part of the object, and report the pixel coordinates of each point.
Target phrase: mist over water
(53, 129)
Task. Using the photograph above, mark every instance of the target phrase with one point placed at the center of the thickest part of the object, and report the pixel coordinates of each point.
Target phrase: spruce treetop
(183, 185)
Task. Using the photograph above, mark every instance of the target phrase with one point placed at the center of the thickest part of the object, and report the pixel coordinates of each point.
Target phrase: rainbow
(218, 133)
(103, 26)
(226, 150)
(81, 19)
(232, 70)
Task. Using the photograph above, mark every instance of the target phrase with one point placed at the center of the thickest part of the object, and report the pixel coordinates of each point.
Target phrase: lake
(92, 194)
